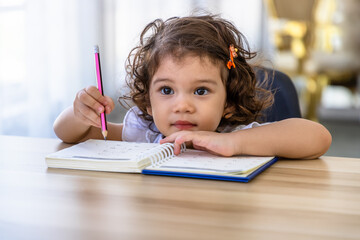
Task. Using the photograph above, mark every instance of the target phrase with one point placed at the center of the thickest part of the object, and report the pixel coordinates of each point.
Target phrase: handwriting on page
(110, 149)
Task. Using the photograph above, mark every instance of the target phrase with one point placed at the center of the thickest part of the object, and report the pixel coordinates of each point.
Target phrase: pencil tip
(104, 133)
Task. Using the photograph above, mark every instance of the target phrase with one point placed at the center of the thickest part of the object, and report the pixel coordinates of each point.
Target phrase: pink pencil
(100, 87)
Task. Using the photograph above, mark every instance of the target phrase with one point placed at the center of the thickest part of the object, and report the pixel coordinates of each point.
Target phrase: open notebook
(156, 159)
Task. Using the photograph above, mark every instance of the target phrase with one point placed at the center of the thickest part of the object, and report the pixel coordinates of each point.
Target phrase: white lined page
(200, 160)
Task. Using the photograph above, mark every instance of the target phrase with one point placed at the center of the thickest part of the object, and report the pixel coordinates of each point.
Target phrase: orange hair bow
(233, 55)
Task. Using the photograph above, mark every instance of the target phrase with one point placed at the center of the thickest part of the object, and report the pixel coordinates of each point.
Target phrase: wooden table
(293, 199)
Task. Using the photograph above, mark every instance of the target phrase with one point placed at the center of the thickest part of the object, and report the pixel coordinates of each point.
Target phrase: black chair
(286, 102)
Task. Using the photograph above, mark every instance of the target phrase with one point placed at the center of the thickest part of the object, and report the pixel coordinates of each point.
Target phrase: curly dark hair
(204, 36)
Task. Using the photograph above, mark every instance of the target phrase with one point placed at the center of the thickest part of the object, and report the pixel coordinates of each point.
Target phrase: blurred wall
(46, 50)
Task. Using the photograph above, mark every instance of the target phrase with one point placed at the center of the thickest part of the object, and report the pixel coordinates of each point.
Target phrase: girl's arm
(290, 138)
(72, 130)
(82, 120)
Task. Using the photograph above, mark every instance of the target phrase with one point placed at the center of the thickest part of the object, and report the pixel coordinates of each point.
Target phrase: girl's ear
(149, 111)
(228, 112)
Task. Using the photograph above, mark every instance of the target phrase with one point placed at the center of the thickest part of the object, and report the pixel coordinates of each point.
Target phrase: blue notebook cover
(210, 176)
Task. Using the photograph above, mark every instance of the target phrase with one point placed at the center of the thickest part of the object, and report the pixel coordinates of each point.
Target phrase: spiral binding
(160, 154)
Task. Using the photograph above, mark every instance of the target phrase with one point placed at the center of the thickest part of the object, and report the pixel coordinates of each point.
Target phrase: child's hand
(213, 142)
(89, 104)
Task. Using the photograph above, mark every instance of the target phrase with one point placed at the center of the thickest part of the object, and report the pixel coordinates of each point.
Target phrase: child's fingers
(88, 99)
(94, 92)
(105, 101)
(110, 104)
(89, 121)
(202, 140)
(178, 138)
(86, 114)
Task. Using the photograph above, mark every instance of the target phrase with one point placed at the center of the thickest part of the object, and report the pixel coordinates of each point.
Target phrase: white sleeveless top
(136, 129)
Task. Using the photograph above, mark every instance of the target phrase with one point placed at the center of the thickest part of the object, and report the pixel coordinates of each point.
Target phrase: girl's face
(187, 95)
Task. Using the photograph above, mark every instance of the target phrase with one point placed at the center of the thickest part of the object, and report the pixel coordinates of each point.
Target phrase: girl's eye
(201, 91)
(167, 91)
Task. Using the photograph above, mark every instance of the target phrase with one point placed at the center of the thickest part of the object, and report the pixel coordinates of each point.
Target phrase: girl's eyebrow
(209, 81)
(160, 80)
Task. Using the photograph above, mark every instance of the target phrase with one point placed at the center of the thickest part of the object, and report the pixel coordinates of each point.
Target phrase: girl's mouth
(183, 125)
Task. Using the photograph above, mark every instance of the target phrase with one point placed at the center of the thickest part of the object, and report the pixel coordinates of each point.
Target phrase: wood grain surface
(293, 199)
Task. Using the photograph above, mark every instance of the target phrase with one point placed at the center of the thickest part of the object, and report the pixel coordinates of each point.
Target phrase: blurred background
(46, 55)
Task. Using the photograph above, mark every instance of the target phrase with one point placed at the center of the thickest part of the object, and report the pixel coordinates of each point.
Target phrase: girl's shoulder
(137, 129)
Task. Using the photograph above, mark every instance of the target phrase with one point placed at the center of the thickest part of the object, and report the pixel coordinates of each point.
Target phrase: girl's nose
(184, 104)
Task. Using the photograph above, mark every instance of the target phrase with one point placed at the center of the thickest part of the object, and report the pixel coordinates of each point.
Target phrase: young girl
(191, 83)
